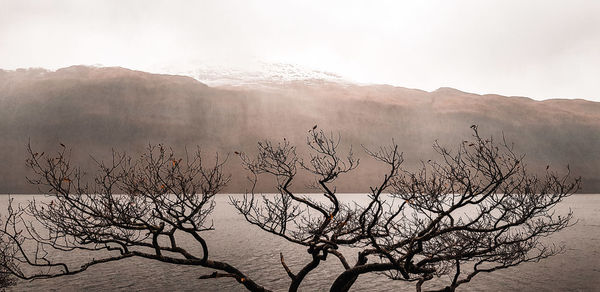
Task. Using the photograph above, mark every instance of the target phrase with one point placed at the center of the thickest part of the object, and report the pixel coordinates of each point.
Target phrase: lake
(257, 253)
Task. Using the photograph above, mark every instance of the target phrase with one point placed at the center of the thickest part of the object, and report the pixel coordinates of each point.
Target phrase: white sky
(541, 49)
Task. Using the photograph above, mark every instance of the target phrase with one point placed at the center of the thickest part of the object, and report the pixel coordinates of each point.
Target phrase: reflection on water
(257, 253)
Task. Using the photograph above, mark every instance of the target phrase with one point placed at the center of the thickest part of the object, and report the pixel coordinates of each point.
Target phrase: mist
(538, 49)
(93, 110)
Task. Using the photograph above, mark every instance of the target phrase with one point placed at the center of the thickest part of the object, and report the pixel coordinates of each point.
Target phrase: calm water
(257, 253)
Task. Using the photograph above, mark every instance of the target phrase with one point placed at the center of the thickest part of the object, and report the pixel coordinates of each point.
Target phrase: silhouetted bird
(61, 144)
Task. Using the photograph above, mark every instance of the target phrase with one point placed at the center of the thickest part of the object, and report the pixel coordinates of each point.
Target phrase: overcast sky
(540, 49)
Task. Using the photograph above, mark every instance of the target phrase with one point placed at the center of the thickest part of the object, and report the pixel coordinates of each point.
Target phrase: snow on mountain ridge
(259, 74)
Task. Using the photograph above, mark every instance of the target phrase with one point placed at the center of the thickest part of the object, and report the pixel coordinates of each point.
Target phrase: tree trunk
(300, 276)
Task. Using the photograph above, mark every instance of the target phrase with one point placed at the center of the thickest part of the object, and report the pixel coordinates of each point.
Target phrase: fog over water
(256, 252)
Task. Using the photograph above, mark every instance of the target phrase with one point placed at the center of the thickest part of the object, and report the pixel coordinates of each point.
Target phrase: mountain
(93, 110)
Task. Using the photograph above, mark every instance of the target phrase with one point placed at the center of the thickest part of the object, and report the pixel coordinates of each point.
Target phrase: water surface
(257, 253)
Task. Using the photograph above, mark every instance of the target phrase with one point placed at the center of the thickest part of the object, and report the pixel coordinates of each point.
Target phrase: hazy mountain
(95, 109)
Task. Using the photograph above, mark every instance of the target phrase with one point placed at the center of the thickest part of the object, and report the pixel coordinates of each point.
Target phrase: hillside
(93, 110)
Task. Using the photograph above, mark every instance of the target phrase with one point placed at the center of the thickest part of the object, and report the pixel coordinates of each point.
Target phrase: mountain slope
(95, 109)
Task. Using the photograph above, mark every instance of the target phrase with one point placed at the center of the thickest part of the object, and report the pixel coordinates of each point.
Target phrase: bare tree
(131, 208)
(318, 225)
(474, 210)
